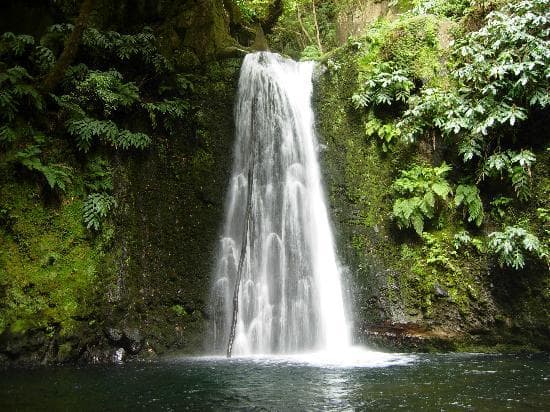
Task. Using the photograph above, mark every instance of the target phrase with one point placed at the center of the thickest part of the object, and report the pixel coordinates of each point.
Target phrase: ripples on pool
(357, 381)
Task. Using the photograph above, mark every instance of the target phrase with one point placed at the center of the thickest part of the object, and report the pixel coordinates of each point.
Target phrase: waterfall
(290, 294)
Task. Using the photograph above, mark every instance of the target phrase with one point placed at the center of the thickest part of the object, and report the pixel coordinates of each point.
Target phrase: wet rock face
(170, 213)
(129, 339)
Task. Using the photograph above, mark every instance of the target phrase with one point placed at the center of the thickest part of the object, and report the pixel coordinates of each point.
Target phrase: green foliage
(429, 110)
(48, 271)
(310, 52)
(463, 239)
(423, 187)
(7, 135)
(386, 86)
(48, 261)
(305, 28)
(126, 47)
(452, 8)
(437, 252)
(96, 208)
(98, 177)
(57, 175)
(16, 90)
(43, 58)
(253, 9)
(437, 264)
(388, 133)
(17, 44)
(170, 110)
(179, 310)
(511, 244)
(501, 74)
(396, 57)
(517, 165)
(507, 60)
(86, 129)
(108, 89)
(468, 197)
(498, 206)
(408, 43)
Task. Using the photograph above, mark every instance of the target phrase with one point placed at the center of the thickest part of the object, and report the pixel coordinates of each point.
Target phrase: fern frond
(109, 89)
(510, 245)
(84, 130)
(15, 43)
(57, 175)
(96, 208)
(468, 195)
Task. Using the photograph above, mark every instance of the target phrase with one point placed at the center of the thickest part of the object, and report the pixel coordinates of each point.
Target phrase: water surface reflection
(432, 382)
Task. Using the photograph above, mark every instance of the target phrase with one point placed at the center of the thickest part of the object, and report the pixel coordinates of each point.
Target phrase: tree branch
(70, 49)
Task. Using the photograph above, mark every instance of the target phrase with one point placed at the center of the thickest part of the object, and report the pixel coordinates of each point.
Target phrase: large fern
(468, 197)
(86, 129)
(126, 46)
(512, 243)
(108, 89)
(169, 110)
(17, 44)
(16, 89)
(96, 208)
(421, 187)
(56, 175)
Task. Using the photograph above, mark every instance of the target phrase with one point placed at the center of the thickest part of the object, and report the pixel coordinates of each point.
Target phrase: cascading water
(290, 295)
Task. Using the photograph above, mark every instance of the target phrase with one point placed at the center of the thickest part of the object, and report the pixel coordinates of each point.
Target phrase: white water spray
(290, 296)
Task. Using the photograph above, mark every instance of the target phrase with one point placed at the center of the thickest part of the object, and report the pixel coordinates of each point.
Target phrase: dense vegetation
(435, 120)
(481, 107)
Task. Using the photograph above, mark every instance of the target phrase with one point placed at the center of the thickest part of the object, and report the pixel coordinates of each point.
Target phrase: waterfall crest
(290, 295)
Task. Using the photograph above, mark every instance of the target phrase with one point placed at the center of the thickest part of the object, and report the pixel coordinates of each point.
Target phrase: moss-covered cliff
(137, 279)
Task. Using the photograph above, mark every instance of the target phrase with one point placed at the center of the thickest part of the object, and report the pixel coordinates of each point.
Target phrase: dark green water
(420, 382)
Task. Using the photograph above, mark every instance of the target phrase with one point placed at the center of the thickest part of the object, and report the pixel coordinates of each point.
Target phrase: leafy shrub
(109, 90)
(423, 187)
(511, 244)
(516, 165)
(501, 73)
(385, 86)
(387, 133)
(124, 47)
(17, 44)
(499, 76)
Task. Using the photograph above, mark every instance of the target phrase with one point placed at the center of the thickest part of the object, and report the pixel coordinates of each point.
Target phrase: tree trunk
(316, 26)
(299, 16)
(71, 47)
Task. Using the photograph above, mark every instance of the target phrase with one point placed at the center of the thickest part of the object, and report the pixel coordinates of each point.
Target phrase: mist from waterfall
(290, 295)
